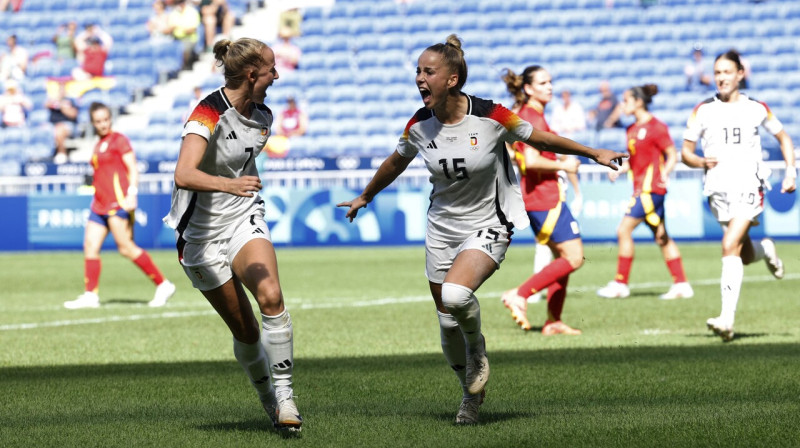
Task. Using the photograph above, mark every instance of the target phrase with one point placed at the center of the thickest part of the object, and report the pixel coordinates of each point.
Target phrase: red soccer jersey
(647, 144)
(540, 189)
(110, 173)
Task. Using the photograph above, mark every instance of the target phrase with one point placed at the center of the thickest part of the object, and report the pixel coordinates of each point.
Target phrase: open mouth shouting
(426, 95)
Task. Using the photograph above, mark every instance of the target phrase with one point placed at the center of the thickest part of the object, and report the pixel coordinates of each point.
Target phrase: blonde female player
(735, 177)
(653, 157)
(474, 204)
(222, 239)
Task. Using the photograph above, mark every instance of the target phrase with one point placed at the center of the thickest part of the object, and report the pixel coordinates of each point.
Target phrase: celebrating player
(653, 157)
(223, 241)
(735, 177)
(115, 199)
(474, 204)
(545, 204)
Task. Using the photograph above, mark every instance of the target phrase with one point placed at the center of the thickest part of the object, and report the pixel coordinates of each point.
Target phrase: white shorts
(208, 265)
(726, 206)
(440, 255)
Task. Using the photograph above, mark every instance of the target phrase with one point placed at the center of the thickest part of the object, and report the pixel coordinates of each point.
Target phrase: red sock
(623, 269)
(556, 294)
(676, 269)
(149, 268)
(560, 267)
(91, 274)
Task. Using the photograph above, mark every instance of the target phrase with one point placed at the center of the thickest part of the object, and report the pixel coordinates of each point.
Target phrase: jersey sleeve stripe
(505, 117)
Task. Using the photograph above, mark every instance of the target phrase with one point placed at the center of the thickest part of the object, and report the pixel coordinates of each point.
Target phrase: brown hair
(644, 93)
(733, 56)
(515, 83)
(95, 106)
(453, 56)
(235, 57)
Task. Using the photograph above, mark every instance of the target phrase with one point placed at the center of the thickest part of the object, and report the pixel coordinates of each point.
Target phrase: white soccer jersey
(729, 132)
(234, 142)
(474, 185)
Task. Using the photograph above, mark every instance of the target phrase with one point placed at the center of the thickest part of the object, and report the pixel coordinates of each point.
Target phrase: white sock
(758, 250)
(542, 257)
(453, 347)
(254, 362)
(277, 338)
(464, 307)
(730, 286)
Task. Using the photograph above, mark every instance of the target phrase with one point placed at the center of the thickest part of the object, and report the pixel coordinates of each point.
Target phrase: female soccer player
(222, 239)
(735, 177)
(115, 179)
(653, 157)
(474, 204)
(543, 194)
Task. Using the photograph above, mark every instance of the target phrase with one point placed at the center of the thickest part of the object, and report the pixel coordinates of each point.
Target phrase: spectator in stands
(698, 76)
(287, 54)
(94, 60)
(64, 117)
(568, 117)
(158, 23)
(15, 5)
(184, 20)
(216, 15)
(64, 39)
(293, 121)
(14, 105)
(14, 62)
(291, 19)
(92, 34)
(608, 111)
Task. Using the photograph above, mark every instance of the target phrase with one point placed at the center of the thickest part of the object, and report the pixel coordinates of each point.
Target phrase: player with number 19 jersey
(474, 185)
(729, 132)
(234, 142)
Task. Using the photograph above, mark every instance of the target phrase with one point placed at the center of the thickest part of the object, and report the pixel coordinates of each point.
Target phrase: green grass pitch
(369, 369)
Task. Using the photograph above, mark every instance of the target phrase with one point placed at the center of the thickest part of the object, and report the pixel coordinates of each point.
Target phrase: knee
(455, 297)
(270, 298)
(662, 239)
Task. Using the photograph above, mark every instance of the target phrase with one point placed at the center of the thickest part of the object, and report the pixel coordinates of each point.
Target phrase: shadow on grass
(362, 396)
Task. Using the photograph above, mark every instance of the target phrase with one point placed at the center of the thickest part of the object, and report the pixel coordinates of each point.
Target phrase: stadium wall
(309, 217)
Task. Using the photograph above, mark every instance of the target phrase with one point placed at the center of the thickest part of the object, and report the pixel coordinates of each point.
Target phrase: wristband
(132, 191)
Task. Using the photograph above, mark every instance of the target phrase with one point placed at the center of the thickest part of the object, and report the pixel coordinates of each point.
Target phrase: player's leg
(256, 265)
(121, 226)
(571, 253)
(93, 237)
(731, 278)
(618, 288)
(680, 289)
(543, 256)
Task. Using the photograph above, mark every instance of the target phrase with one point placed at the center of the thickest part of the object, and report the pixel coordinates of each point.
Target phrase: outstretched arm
(546, 141)
(392, 167)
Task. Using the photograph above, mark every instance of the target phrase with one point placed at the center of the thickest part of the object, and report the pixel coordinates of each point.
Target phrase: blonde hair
(235, 57)
(453, 57)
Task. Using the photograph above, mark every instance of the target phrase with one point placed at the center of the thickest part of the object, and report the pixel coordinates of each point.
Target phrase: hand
(709, 162)
(613, 175)
(247, 186)
(570, 164)
(611, 159)
(788, 184)
(130, 203)
(354, 205)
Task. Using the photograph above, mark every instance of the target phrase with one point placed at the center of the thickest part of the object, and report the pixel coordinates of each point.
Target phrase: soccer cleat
(86, 300)
(468, 411)
(558, 327)
(614, 290)
(271, 407)
(774, 264)
(288, 416)
(163, 292)
(682, 290)
(720, 328)
(518, 306)
(477, 368)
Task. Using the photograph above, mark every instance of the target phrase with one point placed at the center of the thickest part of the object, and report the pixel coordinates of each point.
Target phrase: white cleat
(720, 328)
(163, 292)
(614, 290)
(86, 300)
(774, 264)
(468, 411)
(477, 368)
(288, 416)
(682, 290)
